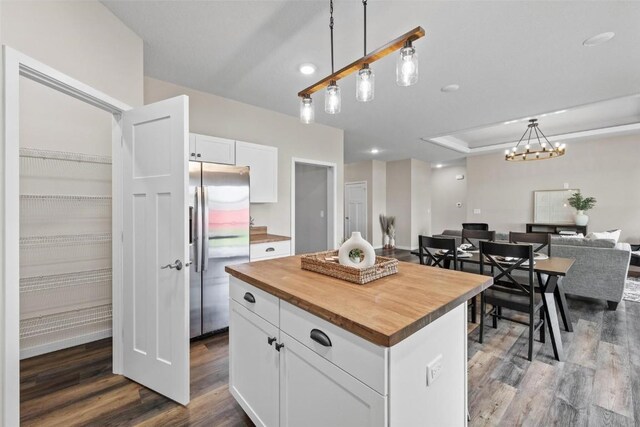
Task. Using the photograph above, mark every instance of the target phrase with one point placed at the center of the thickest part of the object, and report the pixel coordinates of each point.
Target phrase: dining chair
(428, 256)
(431, 257)
(479, 235)
(482, 226)
(511, 292)
(543, 240)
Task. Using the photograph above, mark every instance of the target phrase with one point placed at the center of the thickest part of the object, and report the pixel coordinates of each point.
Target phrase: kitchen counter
(383, 312)
(308, 349)
(267, 238)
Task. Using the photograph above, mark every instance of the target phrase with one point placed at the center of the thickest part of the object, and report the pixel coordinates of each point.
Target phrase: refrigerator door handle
(198, 229)
(205, 228)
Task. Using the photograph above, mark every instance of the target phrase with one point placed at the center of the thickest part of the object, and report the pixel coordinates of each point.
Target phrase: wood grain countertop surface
(384, 311)
(267, 238)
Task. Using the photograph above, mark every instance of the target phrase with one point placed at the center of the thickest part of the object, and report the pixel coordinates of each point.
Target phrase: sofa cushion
(609, 235)
(592, 243)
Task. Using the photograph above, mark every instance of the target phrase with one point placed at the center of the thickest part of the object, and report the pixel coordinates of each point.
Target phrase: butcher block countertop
(384, 311)
(267, 238)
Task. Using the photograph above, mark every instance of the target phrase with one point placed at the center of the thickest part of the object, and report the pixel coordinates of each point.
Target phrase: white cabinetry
(269, 250)
(263, 163)
(212, 149)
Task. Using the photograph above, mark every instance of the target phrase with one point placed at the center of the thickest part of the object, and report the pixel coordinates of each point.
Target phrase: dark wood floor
(597, 385)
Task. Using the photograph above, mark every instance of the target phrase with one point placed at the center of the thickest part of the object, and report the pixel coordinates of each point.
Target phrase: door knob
(177, 265)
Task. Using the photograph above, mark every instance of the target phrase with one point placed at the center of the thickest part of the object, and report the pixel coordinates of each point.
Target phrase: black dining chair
(431, 250)
(481, 226)
(479, 235)
(511, 292)
(431, 257)
(542, 240)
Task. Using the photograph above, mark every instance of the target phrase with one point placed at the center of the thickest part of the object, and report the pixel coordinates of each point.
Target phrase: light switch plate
(476, 211)
(434, 369)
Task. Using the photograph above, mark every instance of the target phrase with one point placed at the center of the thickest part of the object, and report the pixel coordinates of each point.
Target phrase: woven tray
(316, 262)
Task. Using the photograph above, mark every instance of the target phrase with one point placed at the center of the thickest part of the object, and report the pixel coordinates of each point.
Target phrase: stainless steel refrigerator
(219, 236)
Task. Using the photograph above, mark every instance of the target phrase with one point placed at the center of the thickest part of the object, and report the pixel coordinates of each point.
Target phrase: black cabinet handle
(279, 346)
(270, 249)
(249, 298)
(320, 337)
(271, 340)
(193, 154)
(198, 155)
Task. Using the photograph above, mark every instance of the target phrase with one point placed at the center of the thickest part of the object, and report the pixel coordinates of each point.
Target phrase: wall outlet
(434, 369)
(476, 211)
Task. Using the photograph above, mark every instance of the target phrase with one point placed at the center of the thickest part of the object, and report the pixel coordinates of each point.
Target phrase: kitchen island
(309, 350)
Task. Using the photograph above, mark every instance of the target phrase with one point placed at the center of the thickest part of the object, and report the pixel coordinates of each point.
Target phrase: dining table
(548, 272)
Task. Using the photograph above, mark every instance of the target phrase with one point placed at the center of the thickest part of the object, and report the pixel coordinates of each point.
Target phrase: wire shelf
(59, 281)
(44, 325)
(58, 207)
(64, 156)
(65, 240)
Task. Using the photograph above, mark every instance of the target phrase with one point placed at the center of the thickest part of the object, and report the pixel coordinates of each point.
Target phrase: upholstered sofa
(600, 269)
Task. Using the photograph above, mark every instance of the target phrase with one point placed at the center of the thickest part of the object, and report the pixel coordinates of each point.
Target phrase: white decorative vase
(392, 242)
(357, 242)
(385, 241)
(581, 218)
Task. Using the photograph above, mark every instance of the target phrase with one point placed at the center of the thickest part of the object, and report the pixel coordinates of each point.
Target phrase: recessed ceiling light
(374, 151)
(598, 39)
(307, 69)
(450, 88)
(439, 165)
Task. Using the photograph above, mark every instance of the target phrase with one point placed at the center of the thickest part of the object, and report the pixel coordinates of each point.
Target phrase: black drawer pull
(271, 340)
(271, 249)
(250, 298)
(320, 337)
(279, 346)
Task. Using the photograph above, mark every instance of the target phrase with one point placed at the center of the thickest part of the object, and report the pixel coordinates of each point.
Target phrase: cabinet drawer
(362, 359)
(270, 250)
(265, 305)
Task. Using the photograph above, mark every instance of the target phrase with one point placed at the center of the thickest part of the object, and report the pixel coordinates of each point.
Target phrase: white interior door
(156, 279)
(355, 195)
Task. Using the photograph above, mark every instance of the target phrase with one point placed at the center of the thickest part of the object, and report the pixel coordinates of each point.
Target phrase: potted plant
(581, 204)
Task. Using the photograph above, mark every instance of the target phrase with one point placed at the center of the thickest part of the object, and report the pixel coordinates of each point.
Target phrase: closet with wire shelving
(65, 249)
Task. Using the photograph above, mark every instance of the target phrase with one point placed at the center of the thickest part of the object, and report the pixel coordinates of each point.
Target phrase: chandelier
(534, 150)
(406, 71)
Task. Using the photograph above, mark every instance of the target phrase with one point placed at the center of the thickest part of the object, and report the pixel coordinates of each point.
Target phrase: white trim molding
(17, 64)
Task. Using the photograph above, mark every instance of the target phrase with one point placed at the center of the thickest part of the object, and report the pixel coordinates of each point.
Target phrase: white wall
(399, 200)
(81, 39)
(420, 200)
(605, 169)
(446, 191)
(213, 115)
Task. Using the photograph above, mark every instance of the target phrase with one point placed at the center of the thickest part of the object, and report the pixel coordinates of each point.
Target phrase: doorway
(313, 206)
(355, 206)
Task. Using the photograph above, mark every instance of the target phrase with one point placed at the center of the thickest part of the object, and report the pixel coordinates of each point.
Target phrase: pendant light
(307, 115)
(365, 80)
(535, 149)
(332, 100)
(407, 65)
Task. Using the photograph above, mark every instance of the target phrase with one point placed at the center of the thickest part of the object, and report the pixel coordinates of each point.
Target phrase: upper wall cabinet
(263, 163)
(212, 149)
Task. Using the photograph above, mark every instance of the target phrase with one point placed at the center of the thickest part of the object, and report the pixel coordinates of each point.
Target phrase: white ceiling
(511, 59)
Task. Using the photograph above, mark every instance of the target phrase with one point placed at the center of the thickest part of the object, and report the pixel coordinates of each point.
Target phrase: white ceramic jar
(357, 242)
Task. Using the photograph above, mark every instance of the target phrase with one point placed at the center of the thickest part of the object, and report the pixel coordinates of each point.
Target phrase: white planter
(581, 218)
(385, 241)
(357, 242)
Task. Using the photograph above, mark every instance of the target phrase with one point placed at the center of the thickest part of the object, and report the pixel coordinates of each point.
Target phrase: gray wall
(213, 115)
(446, 191)
(605, 169)
(311, 200)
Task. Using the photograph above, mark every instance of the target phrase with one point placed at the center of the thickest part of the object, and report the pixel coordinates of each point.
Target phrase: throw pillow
(609, 235)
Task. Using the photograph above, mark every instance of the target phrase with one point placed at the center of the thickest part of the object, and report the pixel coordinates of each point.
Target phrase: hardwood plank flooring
(598, 384)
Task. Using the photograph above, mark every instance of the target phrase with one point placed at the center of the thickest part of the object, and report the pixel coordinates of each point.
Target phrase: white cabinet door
(212, 149)
(315, 392)
(253, 365)
(263, 163)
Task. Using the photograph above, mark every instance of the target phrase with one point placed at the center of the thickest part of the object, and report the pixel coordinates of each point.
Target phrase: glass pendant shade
(407, 66)
(332, 99)
(365, 84)
(307, 114)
